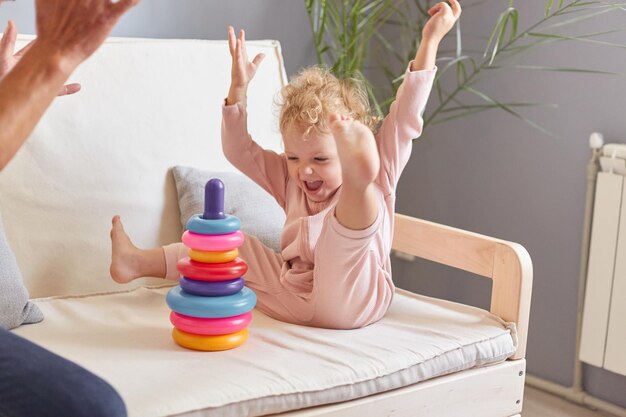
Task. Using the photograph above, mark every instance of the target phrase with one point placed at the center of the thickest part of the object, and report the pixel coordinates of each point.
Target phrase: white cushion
(145, 106)
(15, 309)
(126, 339)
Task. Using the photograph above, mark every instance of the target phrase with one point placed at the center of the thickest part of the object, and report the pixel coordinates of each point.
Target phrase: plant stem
(309, 4)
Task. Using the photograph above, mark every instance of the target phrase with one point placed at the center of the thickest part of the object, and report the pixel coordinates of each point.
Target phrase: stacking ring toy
(211, 289)
(206, 343)
(213, 257)
(213, 327)
(198, 224)
(213, 243)
(212, 272)
(210, 307)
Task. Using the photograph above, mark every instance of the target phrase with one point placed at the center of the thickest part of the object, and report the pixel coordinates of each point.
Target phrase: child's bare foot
(125, 256)
(357, 151)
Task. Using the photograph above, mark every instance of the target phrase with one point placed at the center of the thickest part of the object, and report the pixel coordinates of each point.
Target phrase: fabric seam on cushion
(103, 293)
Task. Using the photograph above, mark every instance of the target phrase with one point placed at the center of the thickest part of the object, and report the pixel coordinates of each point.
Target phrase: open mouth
(313, 185)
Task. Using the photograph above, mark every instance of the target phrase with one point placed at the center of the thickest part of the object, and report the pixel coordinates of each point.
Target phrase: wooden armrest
(506, 263)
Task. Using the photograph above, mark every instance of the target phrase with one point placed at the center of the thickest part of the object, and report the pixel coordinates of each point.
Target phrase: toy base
(209, 343)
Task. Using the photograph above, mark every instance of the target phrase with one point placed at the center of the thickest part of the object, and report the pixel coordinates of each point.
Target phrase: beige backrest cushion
(145, 107)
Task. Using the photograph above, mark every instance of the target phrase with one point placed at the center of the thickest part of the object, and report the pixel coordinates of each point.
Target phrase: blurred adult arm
(68, 32)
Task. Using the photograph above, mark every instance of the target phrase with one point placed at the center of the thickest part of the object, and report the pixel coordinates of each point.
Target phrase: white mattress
(125, 339)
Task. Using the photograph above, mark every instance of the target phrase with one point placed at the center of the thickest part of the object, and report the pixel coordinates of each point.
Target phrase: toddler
(336, 182)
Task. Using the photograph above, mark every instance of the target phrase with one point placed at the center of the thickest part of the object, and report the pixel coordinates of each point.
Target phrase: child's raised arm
(442, 19)
(242, 70)
(265, 167)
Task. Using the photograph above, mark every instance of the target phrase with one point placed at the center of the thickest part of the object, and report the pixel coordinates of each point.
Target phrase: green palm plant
(345, 33)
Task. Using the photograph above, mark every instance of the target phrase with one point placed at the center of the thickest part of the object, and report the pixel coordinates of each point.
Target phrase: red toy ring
(211, 272)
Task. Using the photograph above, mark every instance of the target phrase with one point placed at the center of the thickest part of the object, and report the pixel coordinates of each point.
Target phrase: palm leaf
(565, 69)
(506, 108)
(464, 111)
(495, 106)
(577, 38)
(579, 19)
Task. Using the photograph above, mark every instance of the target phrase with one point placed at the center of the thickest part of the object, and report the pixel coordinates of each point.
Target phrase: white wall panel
(601, 267)
(615, 357)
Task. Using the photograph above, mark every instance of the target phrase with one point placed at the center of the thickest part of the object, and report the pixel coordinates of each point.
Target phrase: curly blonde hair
(312, 95)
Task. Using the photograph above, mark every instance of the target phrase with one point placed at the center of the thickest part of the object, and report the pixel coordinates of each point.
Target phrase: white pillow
(260, 214)
(15, 309)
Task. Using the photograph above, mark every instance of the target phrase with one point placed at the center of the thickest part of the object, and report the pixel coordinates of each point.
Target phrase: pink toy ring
(211, 272)
(213, 243)
(198, 325)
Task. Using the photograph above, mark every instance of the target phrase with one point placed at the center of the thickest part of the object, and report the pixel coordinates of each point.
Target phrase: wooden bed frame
(494, 391)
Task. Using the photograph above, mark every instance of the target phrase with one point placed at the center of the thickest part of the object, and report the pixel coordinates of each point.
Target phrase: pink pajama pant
(348, 287)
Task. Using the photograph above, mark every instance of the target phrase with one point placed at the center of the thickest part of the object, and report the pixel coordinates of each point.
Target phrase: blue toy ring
(210, 307)
(211, 289)
(202, 226)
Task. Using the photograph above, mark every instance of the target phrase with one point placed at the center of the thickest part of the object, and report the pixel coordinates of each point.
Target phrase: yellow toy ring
(209, 343)
(213, 257)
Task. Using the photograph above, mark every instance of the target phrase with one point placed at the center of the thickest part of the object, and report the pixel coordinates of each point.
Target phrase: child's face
(313, 162)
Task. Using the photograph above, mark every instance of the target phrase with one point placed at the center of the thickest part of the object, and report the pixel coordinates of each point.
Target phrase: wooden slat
(443, 244)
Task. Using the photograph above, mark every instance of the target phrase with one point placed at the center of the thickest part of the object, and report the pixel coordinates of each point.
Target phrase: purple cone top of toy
(214, 199)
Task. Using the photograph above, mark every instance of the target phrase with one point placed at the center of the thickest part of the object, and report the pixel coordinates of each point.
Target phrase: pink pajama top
(326, 275)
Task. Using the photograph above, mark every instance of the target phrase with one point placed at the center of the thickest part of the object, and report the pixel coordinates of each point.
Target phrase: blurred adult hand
(8, 58)
(76, 28)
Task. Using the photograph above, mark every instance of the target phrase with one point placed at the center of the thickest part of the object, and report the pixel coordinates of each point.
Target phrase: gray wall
(490, 173)
(493, 174)
(285, 20)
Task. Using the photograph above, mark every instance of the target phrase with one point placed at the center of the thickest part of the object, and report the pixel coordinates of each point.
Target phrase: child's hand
(442, 19)
(8, 60)
(242, 70)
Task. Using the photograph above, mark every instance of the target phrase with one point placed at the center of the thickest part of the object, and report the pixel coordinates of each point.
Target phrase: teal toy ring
(202, 226)
(210, 307)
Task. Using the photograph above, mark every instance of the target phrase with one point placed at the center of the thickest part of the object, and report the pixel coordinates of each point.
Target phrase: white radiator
(603, 338)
